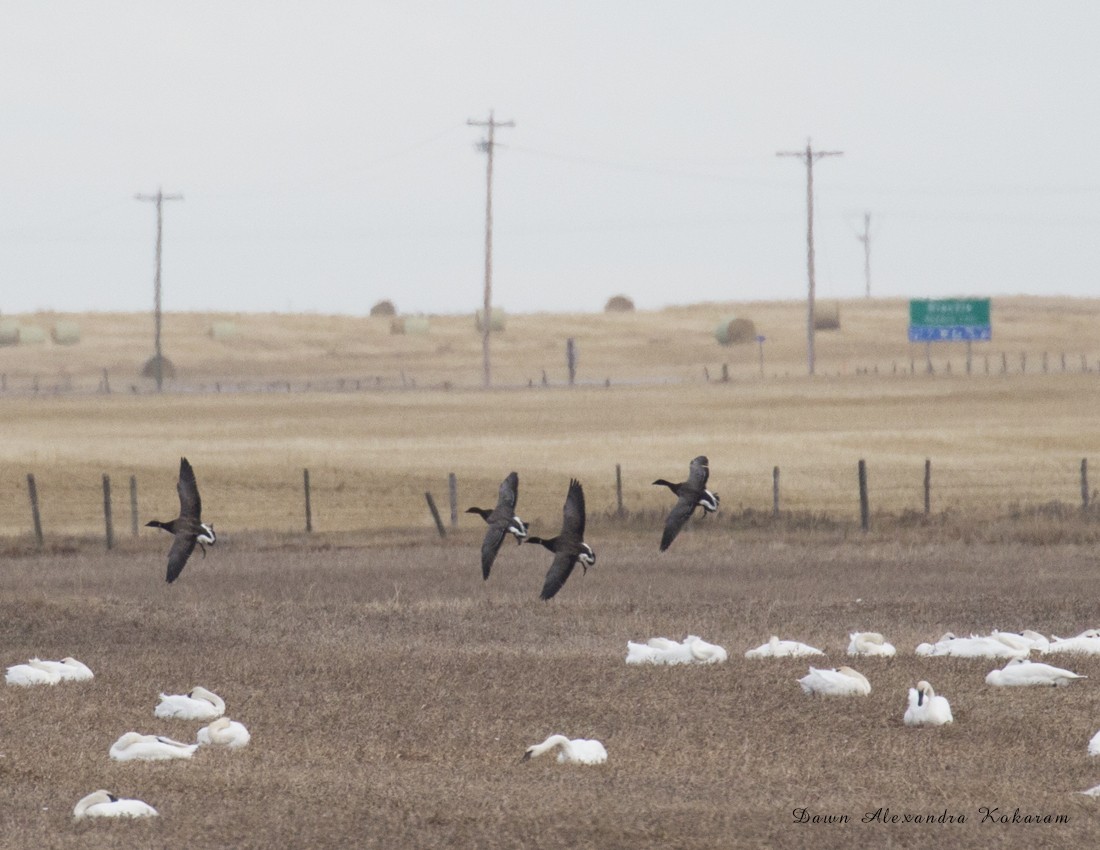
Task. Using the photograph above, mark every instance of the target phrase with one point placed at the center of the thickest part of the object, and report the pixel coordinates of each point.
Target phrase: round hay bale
(618, 304)
(65, 333)
(496, 320)
(734, 330)
(383, 308)
(418, 325)
(223, 330)
(824, 320)
(9, 332)
(31, 335)
(149, 370)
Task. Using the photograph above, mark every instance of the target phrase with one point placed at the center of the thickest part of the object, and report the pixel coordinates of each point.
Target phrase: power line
(809, 156)
(487, 313)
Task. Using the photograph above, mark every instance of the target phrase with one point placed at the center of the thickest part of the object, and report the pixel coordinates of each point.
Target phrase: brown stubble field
(391, 692)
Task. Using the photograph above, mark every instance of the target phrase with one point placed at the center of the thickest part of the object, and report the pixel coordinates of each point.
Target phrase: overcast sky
(325, 160)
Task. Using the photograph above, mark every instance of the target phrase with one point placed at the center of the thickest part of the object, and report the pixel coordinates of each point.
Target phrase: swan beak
(526, 756)
(920, 697)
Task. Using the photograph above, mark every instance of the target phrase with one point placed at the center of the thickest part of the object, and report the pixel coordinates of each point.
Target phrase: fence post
(571, 359)
(133, 506)
(107, 511)
(452, 490)
(32, 490)
(864, 510)
(309, 508)
(1004, 363)
(775, 492)
(435, 515)
(927, 486)
(618, 490)
(1084, 483)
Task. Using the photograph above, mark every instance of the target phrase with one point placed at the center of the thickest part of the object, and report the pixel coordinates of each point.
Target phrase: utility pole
(866, 240)
(158, 362)
(809, 156)
(487, 313)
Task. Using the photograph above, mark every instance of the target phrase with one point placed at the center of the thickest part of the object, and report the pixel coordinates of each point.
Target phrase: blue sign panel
(955, 333)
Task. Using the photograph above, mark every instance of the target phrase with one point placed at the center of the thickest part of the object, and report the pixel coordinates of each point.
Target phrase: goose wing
(557, 574)
(572, 523)
(182, 547)
(684, 507)
(494, 536)
(699, 472)
(188, 488)
(509, 493)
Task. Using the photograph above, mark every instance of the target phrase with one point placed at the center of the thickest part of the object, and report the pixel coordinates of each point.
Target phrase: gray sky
(325, 160)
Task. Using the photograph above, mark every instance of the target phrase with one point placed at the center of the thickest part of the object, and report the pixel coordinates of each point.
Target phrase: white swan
(34, 672)
(661, 650)
(1094, 791)
(225, 732)
(776, 648)
(133, 746)
(1021, 672)
(103, 804)
(1088, 642)
(843, 681)
(200, 704)
(1094, 745)
(577, 751)
(971, 647)
(869, 643)
(69, 669)
(925, 708)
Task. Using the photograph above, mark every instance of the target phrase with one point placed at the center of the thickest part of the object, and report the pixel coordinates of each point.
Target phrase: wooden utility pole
(809, 156)
(159, 198)
(487, 315)
(866, 240)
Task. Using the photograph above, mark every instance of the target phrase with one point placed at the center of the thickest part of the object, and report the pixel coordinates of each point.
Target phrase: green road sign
(948, 319)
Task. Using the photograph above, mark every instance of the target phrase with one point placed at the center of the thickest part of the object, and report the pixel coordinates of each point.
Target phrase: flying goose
(1022, 672)
(188, 528)
(569, 546)
(199, 704)
(578, 750)
(225, 732)
(502, 522)
(133, 746)
(34, 672)
(925, 708)
(104, 804)
(843, 681)
(690, 494)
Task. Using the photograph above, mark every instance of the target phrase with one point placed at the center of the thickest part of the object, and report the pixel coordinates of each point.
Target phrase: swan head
(924, 692)
(93, 799)
(199, 692)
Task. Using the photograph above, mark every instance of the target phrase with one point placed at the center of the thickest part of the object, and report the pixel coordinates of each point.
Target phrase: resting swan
(971, 647)
(133, 746)
(1094, 745)
(200, 704)
(776, 648)
(68, 668)
(843, 681)
(925, 708)
(660, 650)
(226, 732)
(103, 804)
(1088, 642)
(577, 751)
(1021, 672)
(34, 672)
(869, 643)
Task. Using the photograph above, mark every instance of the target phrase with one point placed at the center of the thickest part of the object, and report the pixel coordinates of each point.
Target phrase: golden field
(391, 692)
(999, 443)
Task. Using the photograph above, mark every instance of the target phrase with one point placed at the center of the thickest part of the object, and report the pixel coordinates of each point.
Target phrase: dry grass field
(391, 692)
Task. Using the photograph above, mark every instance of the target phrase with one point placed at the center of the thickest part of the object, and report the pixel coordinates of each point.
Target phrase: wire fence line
(1001, 363)
(853, 493)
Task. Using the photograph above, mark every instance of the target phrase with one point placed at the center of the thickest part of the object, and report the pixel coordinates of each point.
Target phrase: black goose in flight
(502, 522)
(690, 494)
(569, 546)
(188, 528)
